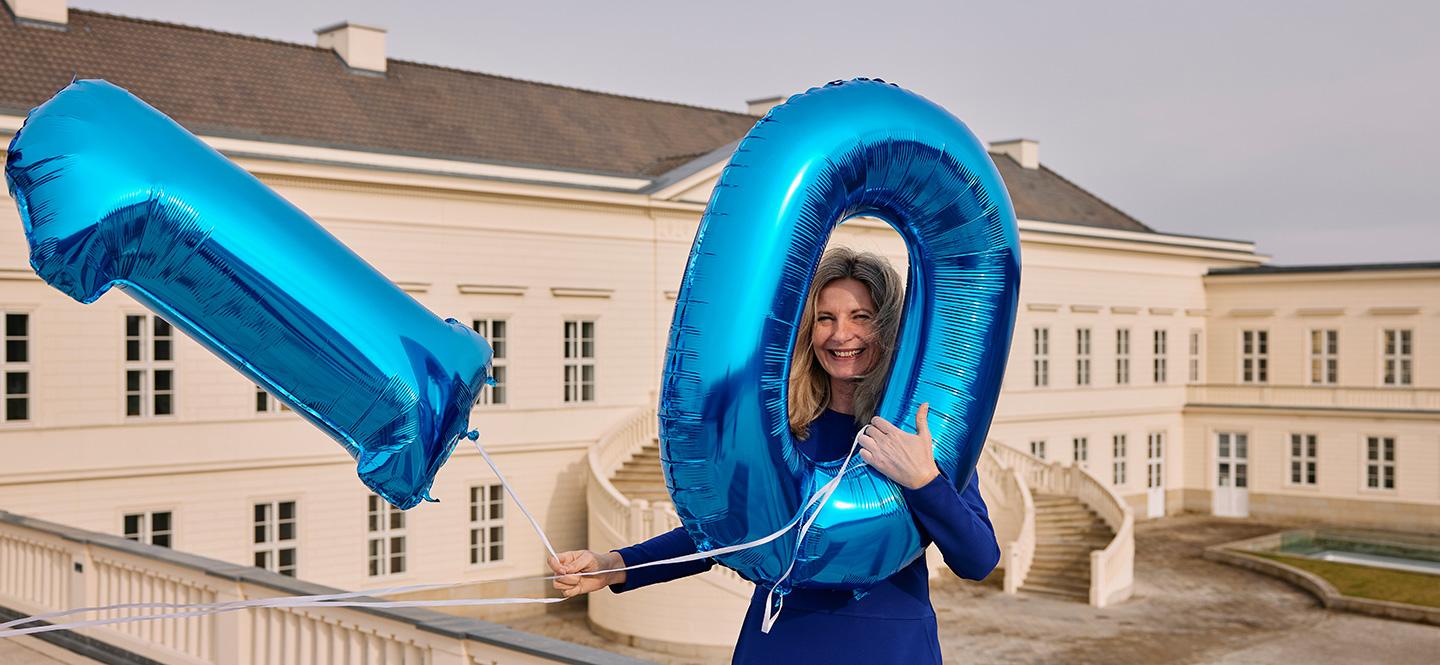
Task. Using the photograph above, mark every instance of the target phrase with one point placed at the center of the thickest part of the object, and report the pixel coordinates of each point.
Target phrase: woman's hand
(908, 459)
(585, 561)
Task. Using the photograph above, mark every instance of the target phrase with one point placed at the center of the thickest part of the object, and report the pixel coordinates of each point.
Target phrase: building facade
(558, 221)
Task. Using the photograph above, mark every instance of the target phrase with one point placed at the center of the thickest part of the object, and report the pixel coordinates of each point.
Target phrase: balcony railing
(1325, 397)
(46, 567)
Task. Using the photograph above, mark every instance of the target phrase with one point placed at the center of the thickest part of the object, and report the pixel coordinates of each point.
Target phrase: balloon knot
(473, 435)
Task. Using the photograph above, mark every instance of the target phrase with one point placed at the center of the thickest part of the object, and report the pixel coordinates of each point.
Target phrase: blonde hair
(809, 383)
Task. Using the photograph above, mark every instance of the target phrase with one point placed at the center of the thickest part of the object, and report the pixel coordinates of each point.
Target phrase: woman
(849, 325)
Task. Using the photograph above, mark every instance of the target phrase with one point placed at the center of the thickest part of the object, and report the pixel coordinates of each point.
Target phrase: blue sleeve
(958, 523)
(664, 546)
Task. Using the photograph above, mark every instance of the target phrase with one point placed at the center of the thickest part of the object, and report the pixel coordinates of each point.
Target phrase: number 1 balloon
(113, 192)
(845, 150)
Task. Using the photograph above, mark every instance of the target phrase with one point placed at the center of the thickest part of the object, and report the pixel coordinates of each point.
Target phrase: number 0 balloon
(848, 149)
(113, 192)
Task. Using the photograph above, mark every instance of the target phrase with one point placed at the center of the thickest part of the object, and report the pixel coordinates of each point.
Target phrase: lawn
(1368, 582)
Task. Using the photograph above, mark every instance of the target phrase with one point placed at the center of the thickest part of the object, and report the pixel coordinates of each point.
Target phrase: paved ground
(1185, 611)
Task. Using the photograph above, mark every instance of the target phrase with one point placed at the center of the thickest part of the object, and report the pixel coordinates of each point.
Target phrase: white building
(1177, 370)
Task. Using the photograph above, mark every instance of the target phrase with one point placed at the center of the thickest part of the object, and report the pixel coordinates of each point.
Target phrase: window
(16, 362)
(1254, 356)
(1037, 448)
(494, 331)
(487, 523)
(1155, 466)
(1082, 356)
(1302, 459)
(149, 366)
(1195, 342)
(386, 538)
(1042, 357)
(579, 361)
(1119, 470)
(1161, 341)
(1380, 462)
(1398, 357)
(1122, 356)
(155, 528)
(1324, 352)
(1080, 453)
(275, 537)
(267, 403)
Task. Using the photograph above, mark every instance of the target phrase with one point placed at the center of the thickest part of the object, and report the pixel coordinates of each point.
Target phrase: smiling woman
(852, 317)
(846, 339)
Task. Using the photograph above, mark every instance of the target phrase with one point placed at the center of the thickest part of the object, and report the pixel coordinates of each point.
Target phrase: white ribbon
(181, 611)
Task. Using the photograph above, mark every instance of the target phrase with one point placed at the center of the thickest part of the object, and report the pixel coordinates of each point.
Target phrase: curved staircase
(1066, 532)
(640, 476)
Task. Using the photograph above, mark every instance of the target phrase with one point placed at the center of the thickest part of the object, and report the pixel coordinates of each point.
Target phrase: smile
(846, 354)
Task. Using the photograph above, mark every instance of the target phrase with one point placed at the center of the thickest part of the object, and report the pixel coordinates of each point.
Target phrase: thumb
(922, 424)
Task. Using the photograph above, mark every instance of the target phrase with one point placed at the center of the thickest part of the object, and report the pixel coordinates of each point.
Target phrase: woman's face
(844, 329)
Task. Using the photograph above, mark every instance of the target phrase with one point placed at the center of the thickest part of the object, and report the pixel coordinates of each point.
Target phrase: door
(1155, 474)
(1232, 475)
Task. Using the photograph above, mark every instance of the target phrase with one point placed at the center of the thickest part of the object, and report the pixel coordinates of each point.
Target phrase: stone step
(1066, 517)
(1059, 593)
(640, 474)
(1063, 547)
(1073, 536)
(1061, 568)
(1057, 583)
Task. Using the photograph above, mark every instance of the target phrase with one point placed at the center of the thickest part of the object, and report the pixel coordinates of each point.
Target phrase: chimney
(51, 12)
(360, 46)
(1025, 151)
(759, 107)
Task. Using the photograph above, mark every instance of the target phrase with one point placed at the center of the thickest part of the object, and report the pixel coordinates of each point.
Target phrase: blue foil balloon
(852, 148)
(113, 192)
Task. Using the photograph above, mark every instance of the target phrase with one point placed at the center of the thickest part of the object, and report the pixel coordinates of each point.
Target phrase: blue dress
(894, 622)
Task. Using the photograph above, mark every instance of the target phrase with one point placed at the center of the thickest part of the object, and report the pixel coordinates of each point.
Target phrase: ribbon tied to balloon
(849, 149)
(114, 193)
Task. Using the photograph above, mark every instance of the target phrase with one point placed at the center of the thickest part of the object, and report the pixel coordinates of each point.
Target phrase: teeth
(847, 354)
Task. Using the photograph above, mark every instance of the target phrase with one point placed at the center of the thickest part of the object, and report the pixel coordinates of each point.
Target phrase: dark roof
(224, 84)
(239, 86)
(1334, 267)
(1044, 196)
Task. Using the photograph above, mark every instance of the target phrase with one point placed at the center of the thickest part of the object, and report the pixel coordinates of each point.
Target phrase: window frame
(1080, 450)
(577, 385)
(1329, 359)
(1083, 337)
(1303, 460)
(1197, 347)
(1160, 364)
(25, 367)
(1404, 359)
(380, 512)
(147, 366)
(275, 544)
(147, 532)
(1380, 465)
(1040, 356)
(1037, 448)
(499, 361)
(1259, 359)
(483, 524)
(1122, 356)
(1120, 457)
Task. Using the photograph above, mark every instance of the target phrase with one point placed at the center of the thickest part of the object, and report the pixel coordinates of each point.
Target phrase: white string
(8, 629)
(768, 621)
(475, 436)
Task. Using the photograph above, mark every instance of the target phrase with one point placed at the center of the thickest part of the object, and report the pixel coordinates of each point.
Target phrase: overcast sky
(1309, 127)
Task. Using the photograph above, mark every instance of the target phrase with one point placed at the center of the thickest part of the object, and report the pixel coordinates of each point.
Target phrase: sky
(1307, 126)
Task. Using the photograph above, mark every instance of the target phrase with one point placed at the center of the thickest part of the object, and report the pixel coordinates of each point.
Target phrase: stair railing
(1112, 569)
